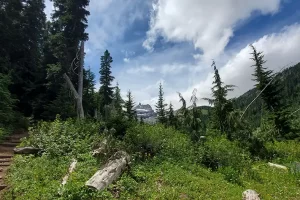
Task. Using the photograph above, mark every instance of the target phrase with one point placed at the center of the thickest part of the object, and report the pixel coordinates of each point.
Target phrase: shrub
(159, 141)
(63, 137)
(284, 152)
(220, 152)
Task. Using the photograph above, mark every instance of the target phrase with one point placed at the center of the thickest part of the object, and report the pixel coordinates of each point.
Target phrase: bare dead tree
(77, 94)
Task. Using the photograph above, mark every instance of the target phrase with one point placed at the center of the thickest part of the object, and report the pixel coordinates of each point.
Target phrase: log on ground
(26, 150)
(110, 172)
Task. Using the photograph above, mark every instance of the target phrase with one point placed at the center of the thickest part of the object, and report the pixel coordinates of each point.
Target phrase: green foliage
(160, 106)
(270, 93)
(6, 101)
(106, 91)
(60, 138)
(284, 152)
(118, 101)
(219, 152)
(150, 141)
(129, 105)
(222, 106)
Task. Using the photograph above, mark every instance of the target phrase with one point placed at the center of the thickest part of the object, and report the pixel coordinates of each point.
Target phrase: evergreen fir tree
(6, 101)
(67, 30)
(106, 91)
(222, 106)
(271, 92)
(129, 105)
(118, 101)
(160, 106)
(171, 117)
(89, 101)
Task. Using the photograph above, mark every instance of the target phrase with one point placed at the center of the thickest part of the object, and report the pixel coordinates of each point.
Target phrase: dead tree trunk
(78, 94)
(110, 172)
(80, 83)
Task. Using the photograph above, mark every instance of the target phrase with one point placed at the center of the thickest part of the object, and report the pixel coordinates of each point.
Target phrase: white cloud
(208, 24)
(109, 19)
(127, 60)
(280, 49)
(139, 70)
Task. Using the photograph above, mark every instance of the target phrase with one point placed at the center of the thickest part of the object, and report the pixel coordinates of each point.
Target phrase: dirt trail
(6, 154)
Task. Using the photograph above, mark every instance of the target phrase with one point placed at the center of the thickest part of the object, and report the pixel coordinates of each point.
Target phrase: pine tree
(22, 24)
(271, 92)
(171, 117)
(106, 91)
(89, 101)
(222, 106)
(6, 101)
(66, 32)
(118, 101)
(129, 105)
(160, 106)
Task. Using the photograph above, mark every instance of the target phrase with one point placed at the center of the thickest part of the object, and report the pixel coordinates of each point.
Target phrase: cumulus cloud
(109, 19)
(280, 49)
(208, 24)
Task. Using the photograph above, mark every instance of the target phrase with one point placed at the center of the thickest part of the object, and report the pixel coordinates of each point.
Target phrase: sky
(173, 42)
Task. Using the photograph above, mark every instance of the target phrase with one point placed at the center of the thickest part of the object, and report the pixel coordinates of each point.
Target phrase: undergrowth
(165, 164)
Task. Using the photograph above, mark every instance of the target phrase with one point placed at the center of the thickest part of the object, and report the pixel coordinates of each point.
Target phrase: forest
(71, 133)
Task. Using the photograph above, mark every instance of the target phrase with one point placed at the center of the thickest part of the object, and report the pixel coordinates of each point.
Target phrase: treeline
(35, 54)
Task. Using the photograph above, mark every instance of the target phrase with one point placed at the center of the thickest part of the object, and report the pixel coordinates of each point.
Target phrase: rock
(27, 150)
(250, 195)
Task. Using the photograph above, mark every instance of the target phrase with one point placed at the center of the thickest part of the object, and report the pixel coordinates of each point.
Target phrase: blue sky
(174, 42)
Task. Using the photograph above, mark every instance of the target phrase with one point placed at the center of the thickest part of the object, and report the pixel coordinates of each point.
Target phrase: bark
(66, 177)
(27, 150)
(71, 169)
(277, 166)
(110, 172)
(250, 195)
(80, 82)
(78, 94)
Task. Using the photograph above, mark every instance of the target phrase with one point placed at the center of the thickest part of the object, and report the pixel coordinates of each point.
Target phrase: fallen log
(66, 177)
(26, 150)
(250, 195)
(71, 169)
(110, 172)
(277, 166)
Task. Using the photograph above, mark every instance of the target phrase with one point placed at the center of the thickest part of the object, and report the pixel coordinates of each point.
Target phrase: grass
(171, 171)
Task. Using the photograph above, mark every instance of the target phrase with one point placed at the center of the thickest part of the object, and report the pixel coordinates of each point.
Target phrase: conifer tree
(222, 106)
(129, 105)
(6, 101)
(160, 106)
(271, 92)
(106, 91)
(171, 117)
(67, 30)
(118, 101)
(89, 101)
